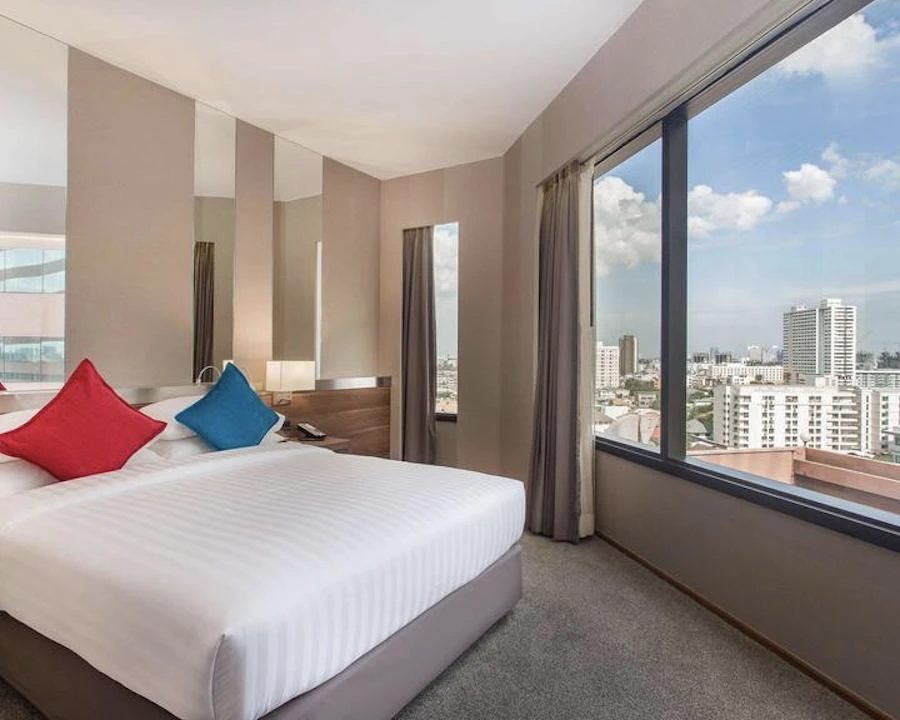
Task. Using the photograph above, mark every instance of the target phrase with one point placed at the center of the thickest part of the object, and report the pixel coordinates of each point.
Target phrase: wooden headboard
(361, 414)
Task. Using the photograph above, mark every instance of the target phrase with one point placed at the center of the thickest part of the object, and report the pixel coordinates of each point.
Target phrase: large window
(778, 270)
(446, 292)
(626, 205)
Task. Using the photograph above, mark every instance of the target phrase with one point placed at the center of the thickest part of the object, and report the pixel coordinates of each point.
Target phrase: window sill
(860, 521)
(446, 417)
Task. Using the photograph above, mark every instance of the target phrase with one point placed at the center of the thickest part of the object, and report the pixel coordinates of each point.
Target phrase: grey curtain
(204, 288)
(553, 482)
(419, 347)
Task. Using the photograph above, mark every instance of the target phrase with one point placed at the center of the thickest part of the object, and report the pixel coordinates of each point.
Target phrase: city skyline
(794, 194)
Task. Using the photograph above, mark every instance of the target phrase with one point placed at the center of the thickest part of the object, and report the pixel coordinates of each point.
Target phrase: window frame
(449, 417)
(857, 520)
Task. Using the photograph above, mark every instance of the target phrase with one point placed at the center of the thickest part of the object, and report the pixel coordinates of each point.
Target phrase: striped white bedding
(224, 585)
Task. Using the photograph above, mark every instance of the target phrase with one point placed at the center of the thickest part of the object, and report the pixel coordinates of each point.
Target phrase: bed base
(375, 687)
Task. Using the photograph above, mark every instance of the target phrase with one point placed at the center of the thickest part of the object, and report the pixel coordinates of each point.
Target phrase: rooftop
(847, 477)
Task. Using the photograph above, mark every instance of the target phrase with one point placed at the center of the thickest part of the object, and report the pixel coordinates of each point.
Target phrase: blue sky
(795, 195)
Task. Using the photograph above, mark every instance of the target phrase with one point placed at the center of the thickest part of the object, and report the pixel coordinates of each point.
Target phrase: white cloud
(872, 168)
(840, 166)
(885, 172)
(809, 184)
(845, 52)
(786, 206)
(626, 225)
(709, 211)
(446, 259)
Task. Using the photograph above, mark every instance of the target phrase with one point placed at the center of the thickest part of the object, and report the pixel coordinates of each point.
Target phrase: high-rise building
(821, 340)
(628, 355)
(607, 366)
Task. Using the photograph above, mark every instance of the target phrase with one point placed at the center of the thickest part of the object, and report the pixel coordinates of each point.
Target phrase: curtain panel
(419, 347)
(552, 489)
(204, 310)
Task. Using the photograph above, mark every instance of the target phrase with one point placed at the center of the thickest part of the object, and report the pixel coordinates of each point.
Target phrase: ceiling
(391, 87)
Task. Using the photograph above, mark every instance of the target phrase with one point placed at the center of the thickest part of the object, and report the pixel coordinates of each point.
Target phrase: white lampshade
(290, 375)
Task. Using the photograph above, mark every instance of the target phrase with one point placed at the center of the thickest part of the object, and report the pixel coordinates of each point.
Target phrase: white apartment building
(878, 378)
(879, 415)
(821, 340)
(895, 444)
(758, 416)
(628, 355)
(607, 366)
(702, 375)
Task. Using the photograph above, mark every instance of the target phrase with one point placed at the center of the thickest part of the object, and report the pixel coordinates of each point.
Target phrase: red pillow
(85, 429)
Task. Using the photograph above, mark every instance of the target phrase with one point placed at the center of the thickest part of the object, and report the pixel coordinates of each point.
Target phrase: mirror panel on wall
(298, 239)
(214, 184)
(33, 124)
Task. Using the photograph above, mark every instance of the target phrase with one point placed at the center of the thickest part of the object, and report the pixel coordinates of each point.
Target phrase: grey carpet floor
(597, 636)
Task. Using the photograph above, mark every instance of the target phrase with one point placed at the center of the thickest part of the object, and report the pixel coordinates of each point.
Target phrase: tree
(889, 361)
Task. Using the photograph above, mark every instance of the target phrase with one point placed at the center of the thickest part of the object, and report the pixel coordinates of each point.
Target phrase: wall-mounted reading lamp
(216, 376)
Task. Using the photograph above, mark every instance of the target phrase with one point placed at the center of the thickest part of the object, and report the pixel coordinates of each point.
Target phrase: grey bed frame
(375, 687)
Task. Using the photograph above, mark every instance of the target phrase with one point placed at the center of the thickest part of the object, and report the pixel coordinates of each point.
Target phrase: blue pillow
(230, 415)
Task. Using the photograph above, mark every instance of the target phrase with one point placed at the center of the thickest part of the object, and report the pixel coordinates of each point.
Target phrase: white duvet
(222, 586)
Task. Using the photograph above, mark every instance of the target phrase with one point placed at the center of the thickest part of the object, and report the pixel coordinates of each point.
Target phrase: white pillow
(166, 410)
(12, 420)
(142, 457)
(20, 475)
(176, 449)
(186, 447)
(276, 427)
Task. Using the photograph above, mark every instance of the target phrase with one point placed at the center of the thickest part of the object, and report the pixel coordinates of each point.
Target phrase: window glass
(446, 291)
(32, 311)
(24, 270)
(626, 207)
(54, 271)
(794, 210)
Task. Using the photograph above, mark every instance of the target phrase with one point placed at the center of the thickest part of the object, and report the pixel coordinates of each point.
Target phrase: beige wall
(298, 230)
(446, 444)
(214, 222)
(32, 208)
(471, 195)
(253, 249)
(351, 210)
(826, 597)
(130, 226)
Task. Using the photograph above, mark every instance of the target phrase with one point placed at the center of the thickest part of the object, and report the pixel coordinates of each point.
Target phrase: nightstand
(330, 442)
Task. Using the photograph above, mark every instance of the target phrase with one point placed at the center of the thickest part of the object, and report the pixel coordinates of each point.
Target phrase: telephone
(310, 432)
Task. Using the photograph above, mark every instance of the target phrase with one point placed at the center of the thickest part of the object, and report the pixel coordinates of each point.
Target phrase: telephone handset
(310, 432)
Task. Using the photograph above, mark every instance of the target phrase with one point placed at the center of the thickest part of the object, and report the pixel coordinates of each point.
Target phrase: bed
(282, 581)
